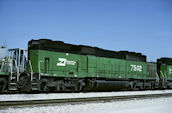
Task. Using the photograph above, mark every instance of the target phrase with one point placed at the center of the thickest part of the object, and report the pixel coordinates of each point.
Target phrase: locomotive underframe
(62, 84)
(70, 84)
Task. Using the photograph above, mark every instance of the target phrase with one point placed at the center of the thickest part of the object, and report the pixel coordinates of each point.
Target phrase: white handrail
(11, 71)
(157, 77)
(162, 75)
(31, 69)
(18, 74)
(39, 67)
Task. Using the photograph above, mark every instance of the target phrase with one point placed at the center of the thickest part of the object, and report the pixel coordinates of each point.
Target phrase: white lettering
(71, 62)
(136, 67)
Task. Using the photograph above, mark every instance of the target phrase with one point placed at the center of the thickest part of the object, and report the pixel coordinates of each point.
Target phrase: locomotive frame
(54, 66)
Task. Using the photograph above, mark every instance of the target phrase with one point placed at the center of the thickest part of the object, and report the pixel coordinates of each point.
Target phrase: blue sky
(135, 25)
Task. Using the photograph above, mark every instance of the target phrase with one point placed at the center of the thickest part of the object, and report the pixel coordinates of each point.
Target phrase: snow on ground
(11, 97)
(159, 105)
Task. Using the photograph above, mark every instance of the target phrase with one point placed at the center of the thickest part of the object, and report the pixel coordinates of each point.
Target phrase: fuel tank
(104, 85)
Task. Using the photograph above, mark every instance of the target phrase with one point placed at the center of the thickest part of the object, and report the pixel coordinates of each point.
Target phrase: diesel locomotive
(55, 66)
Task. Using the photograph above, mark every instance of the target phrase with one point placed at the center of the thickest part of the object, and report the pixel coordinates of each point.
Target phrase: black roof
(165, 60)
(46, 44)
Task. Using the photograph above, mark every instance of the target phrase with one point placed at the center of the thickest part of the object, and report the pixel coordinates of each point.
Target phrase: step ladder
(12, 86)
(17, 59)
(34, 79)
(14, 78)
(35, 83)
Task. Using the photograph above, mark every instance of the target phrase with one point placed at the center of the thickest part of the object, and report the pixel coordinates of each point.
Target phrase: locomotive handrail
(31, 70)
(11, 71)
(165, 75)
(162, 76)
(157, 77)
(17, 69)
(18, 74)
(39, 67)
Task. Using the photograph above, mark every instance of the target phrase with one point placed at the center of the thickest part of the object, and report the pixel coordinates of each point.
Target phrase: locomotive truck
(55, 66)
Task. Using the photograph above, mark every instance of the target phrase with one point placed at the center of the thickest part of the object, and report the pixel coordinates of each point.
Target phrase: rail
(79, 100)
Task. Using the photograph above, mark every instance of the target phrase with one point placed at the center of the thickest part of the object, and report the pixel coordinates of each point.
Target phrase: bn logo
(64, 62)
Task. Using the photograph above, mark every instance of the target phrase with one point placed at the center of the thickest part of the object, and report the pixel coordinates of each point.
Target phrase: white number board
(136, 67)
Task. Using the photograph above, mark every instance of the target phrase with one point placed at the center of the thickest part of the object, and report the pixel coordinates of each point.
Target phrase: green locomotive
(57, 66)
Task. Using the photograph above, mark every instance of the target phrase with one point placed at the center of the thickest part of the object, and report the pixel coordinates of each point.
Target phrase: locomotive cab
(164, 66)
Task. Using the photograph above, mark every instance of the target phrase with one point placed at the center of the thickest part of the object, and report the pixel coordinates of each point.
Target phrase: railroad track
(79, 100)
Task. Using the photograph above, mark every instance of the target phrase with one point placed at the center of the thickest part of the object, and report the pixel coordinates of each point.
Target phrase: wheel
(43, 85)
(24, 84)
(78, 87)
